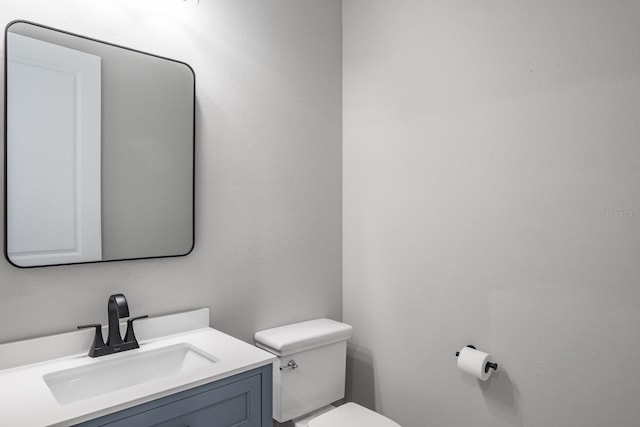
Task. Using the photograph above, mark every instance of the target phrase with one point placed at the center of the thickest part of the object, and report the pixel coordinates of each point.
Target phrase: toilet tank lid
(297, 337)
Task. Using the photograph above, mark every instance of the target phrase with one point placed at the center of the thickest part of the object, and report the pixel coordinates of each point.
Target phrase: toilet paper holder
(489, 365)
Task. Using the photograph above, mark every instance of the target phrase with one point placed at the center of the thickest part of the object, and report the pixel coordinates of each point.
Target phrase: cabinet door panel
(232, 412)
(237, 404)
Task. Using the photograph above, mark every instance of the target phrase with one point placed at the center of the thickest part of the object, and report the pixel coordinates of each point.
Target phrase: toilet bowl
(310, 374)
(350, 415)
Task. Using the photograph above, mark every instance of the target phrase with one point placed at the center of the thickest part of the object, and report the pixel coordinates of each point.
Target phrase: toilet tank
(319, 350)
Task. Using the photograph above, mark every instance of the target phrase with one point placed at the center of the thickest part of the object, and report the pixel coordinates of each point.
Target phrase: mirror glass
(99, 150)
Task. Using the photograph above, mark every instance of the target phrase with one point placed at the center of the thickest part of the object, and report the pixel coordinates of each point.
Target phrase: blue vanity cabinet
(243, 400)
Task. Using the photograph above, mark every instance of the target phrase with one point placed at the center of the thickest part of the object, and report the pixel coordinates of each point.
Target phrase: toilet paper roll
(473, 362)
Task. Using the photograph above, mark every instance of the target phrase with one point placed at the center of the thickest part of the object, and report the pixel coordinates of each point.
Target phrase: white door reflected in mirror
(53, 163)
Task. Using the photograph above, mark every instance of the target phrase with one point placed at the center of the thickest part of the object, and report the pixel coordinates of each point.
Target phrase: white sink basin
(127, 370)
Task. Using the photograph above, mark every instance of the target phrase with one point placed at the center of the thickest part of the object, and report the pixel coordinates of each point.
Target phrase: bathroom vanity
(240, 400)
(184, 374)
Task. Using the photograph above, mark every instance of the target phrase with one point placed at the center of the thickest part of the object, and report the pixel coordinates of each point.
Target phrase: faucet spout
(117, 309)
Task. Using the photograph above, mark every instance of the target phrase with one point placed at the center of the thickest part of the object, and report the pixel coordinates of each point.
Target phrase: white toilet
(310, 374)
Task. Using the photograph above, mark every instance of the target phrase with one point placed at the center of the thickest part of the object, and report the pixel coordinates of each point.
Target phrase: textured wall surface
(268, 180)
(491, 181)
(492, 197)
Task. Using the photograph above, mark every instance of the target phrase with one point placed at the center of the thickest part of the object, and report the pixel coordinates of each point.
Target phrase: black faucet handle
(130, 336)
(98, 341)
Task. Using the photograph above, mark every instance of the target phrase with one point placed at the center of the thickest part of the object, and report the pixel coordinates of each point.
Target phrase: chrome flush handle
(291, 365)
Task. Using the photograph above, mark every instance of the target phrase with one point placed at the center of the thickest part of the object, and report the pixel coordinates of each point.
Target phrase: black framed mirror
(99, 150)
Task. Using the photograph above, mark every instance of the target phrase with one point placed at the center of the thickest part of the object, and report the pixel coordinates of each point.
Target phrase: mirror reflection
(99, 150)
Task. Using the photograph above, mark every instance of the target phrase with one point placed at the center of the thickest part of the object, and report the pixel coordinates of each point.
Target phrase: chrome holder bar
(291, 365)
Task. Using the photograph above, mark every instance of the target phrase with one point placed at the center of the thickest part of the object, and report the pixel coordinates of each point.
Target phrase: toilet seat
(351, 415)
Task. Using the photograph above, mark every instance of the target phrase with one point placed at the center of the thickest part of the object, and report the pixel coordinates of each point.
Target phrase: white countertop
(25, 399)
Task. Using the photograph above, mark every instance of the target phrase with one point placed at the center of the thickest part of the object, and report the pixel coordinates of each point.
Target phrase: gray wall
(492, 197)
(268, 182)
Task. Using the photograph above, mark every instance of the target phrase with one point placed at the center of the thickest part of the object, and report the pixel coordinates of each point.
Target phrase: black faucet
(117, 309)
